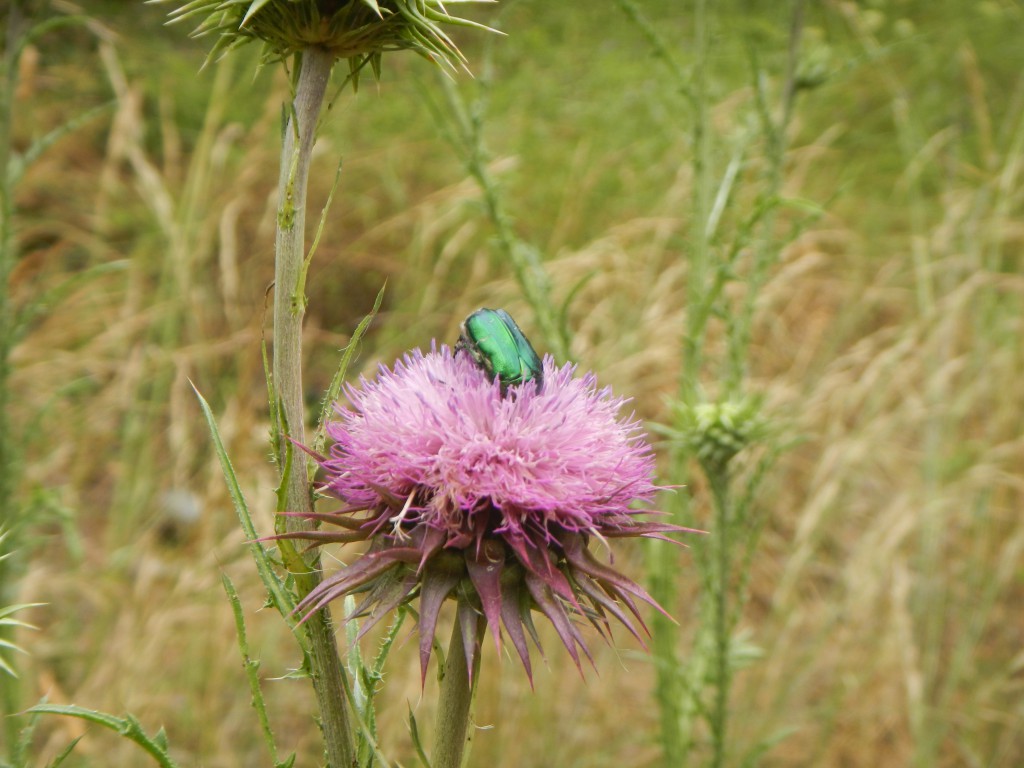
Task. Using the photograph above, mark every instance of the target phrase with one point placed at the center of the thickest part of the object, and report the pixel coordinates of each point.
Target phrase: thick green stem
(453, 706)
(289, 308)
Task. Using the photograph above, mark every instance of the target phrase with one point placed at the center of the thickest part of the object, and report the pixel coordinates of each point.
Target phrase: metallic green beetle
(496, 344)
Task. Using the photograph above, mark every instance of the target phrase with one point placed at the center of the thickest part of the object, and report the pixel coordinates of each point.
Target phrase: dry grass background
(885, 598)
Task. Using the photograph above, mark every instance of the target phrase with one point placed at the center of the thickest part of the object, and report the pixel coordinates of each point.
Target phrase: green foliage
(252, 667)
(367, 681)
(280, 596)
(281, 592)
(127, 726)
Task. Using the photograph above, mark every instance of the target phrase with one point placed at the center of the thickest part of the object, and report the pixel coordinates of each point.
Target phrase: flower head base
(357, 30)
(488, 498)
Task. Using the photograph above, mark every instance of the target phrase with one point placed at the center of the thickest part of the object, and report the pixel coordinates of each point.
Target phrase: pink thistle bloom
(488, 498)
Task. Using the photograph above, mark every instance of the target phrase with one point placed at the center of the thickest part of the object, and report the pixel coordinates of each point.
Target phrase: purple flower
(487, 498)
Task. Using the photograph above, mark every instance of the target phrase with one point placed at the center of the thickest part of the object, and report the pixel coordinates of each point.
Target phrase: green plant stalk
(723, 621)
(696, 280)
(701, 688)
(127, 727)
(289, 308)
(9, 689)
(669, 689)
(676, 695)
(251, 667)
(766, 250)
(453, 710)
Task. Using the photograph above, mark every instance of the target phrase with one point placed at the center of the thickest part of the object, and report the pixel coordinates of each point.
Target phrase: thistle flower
(357, 30)
(486, 498)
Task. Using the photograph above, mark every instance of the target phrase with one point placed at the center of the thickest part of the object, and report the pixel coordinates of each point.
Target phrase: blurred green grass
(884, 595)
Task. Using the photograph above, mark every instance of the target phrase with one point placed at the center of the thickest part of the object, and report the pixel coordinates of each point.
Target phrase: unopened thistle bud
(716, 432)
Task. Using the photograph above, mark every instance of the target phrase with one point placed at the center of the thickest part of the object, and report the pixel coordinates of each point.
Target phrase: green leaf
(272, 402)
(161, 738)
(802, 204)
(751, 759)
(281, 598)
(414, 731)
(6, 620)
(127, 726)
(387, 642)
(20, 749)
(563, 313)
(64, 753)
(49, 25)
(251, 667)
(299, 296)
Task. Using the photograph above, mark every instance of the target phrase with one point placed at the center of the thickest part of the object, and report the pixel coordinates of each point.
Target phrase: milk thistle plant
(488, 495)
(466, 485)
(309, 37)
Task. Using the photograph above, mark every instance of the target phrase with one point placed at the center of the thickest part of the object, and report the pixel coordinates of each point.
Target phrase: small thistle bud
(716, 432)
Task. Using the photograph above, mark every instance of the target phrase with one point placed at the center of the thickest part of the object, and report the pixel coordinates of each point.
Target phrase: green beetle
(496, 344)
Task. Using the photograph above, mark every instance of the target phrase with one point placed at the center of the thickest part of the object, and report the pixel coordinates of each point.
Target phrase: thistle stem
(289, 308)
(452, 733)
(721, 674)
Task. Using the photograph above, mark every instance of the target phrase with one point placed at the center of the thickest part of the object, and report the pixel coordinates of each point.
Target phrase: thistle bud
(360, 31)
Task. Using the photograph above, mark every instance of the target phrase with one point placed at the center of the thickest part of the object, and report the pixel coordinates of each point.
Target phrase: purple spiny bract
(488, 499)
